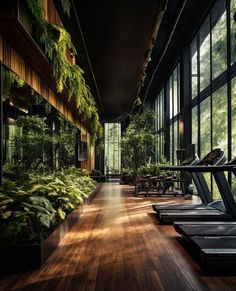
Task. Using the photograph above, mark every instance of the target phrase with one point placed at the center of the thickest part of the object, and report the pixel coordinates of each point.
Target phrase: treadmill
(214, 242)
(218, 211)
(215, 157)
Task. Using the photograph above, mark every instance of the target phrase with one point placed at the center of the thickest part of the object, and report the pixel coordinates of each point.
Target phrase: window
(195, 127)
(219, 41)
(204, 38)
(159, 111)
(171, 144)
(205, 126)
(112, 148)
(220, 119)
(194, 67)
(233, 116)
(233, 31)
(174, 92)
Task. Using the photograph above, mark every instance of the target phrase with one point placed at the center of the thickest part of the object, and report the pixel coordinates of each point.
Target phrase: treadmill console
(212, 157)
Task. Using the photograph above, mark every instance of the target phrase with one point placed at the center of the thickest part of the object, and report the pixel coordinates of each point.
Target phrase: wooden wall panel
(1, 48)
(51, 14)
(13, 61)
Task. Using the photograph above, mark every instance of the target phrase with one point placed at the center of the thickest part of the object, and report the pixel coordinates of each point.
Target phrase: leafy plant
(138, 142)
(66, 6)
(56, 41)
(153, 169)
(9, 79)
(31, 211)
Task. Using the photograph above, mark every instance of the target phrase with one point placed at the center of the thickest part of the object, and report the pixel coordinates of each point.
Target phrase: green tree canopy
(138, 141)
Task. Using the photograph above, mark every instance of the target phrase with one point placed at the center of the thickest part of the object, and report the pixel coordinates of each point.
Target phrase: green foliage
(31, 211)
(56, 41)
(10, 79)
(34, 147)
(153, 169)
(138, 141)
(66, 6)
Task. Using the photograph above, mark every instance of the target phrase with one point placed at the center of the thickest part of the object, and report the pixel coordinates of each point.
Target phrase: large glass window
(204, 38)
(233, 116)
(219, 41)
(195, 127)
(205, 126)
(174, 142)
(170, 89)
(220, 119)
(112, 148)
(36, 137)
(171, 144)
(233, 31)
(194, 67)
(174, 92)
(159, 110)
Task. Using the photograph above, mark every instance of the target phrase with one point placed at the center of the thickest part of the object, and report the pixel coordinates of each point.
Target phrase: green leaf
(61, 213)
(6, 214)
(6, 201)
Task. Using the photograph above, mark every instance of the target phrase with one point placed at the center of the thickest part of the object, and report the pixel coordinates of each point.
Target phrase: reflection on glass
(205, 56)
(205, 126)
(219, 119)
(194, 67)
(36, 137)
(219, 39)
(195, 127)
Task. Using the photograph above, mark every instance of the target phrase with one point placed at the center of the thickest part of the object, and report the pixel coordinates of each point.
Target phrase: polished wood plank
(118, 244)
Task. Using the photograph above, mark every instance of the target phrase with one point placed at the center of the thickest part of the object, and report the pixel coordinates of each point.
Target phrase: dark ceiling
(117, 34)
(189, 18)
(113, 37)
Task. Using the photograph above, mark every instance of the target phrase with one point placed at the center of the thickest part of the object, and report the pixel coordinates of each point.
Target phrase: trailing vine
(9, 79)
(66, 6)
(55, 41)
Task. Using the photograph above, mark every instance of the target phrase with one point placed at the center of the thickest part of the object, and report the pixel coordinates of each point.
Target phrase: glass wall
(219, 41)
(112, 148)
(205, 127)
(36, 137)
(195, 126)
(173, 92)
(220, 119)
(233, 31)
(204, 53)
(194, 67)
(159, 112)
(210, 89)
(233, 116)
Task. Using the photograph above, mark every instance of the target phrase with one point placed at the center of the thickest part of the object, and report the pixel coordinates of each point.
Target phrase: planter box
(27, 257)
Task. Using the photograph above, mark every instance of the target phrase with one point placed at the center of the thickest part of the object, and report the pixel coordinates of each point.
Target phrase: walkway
(119, 245)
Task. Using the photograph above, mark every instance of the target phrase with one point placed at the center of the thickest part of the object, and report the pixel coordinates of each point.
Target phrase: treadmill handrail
(220, 168)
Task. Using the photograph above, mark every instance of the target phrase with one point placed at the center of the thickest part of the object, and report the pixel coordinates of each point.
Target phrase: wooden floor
(119, 245)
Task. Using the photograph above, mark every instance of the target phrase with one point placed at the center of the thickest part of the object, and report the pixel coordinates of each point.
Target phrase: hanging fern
(10, 79)
(56, 41)
(66, 6)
